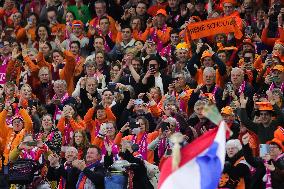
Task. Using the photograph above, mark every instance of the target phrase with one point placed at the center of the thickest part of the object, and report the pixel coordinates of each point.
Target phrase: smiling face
(92, 155)
(110, 130)
(42, 33)
(46, 123)
(26, 91)
(71, 154)
(17, 124)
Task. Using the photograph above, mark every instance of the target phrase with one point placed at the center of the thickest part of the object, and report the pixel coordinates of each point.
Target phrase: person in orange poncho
(139, 136)
(105, 139)
(21, 124)
(93, 122)
(69, 122)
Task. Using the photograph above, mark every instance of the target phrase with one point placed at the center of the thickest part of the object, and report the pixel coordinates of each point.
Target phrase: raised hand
(243, 100)
(245, 139)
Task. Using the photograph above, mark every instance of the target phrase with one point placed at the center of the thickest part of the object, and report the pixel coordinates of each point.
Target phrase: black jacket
(264, 133)
(72, 174)
(277, 176)
(166, 80)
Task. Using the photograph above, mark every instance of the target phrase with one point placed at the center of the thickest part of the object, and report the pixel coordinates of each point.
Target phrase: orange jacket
(20, 34)
(67, 73)
(78, 124)
(79, 66)
(94, 125)
(12, 139)
(136, 35)
(150, 137)
(6, 16)
(13, 71)
(164, 36)
(95, 24)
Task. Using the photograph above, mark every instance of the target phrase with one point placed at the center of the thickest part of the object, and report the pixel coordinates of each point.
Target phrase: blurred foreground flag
(201, 163)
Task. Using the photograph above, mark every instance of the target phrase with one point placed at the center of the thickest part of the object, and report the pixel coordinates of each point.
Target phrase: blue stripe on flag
(210, 168)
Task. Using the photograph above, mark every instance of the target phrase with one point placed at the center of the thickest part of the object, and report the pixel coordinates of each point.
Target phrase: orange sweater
(75, 125)
(95, 24)
(13, 71)
(67, 73)
(94, 125)
(12, 139)
(150, 137)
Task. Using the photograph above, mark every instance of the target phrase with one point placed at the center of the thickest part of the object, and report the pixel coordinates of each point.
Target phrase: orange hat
(278, 142)
(206, 54)
(227, 110)
(264, 106)
(279, 68)
(77, 23)
(161, 11)
(229, 1)
(182, 46)
(279, 133)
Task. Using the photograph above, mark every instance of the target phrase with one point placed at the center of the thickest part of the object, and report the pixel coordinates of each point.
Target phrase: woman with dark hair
(69, 122)
(81, 143)
(42, 35)
(32, 21)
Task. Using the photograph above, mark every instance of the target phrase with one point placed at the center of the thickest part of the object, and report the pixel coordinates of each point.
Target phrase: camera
(229, 86)
(165, 126)
(134, 124)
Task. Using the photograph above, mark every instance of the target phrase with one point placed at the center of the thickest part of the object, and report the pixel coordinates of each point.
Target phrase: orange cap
(227, 110)
(264, 106)
(278, 142)
(161, 11)
(206, 54)
(229, 1)
(77, 23)
(279, 68)
(279, 133)
(182, 46)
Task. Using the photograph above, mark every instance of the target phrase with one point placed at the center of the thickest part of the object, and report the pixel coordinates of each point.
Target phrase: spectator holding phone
(269, 168)
(29, 149)
(21, 124)
(139, 130)
(153, 77)
(69, 122)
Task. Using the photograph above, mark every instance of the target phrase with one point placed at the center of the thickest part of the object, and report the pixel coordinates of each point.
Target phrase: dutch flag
(201, 164)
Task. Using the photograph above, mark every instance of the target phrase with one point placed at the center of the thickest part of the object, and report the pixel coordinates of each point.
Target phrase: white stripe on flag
(188, 173)
(220, 138)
